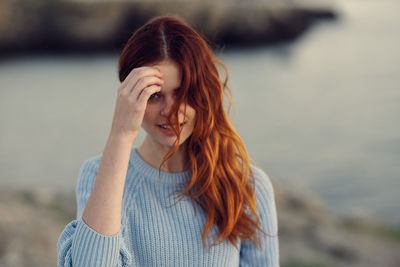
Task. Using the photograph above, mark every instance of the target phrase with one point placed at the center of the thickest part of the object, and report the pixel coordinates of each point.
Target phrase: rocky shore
(104, 26)
(310, 234)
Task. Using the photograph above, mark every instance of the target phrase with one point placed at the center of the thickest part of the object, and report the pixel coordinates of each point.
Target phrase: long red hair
(218, 157)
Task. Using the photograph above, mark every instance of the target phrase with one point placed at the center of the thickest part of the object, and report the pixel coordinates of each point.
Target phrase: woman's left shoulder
(262, 180)
(265, 200)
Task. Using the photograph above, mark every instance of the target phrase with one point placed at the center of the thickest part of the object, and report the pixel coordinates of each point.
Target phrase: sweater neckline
(138, 163)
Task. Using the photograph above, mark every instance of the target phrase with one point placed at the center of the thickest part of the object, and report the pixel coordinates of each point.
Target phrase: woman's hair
(218, 157)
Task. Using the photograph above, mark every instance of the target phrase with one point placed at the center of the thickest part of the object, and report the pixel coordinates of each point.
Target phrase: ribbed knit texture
(158, 230)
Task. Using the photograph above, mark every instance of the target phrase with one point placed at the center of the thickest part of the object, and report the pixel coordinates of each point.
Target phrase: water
(320, 113)
(323, 112)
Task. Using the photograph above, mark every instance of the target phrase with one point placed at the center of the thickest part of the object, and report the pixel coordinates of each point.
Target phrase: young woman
(187, 196)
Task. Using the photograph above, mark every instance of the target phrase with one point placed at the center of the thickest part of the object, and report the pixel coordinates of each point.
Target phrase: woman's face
(159, 106)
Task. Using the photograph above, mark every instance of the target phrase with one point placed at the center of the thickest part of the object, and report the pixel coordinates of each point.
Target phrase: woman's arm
(267, 255)
(94, 238)
(103, 210)
(79, 245)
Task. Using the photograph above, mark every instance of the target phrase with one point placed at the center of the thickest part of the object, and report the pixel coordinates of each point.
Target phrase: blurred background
(316, 99)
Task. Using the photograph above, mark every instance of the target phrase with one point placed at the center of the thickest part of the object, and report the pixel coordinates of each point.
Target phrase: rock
(309, 233)
(312, 235)
(50, 25)
(30, 224)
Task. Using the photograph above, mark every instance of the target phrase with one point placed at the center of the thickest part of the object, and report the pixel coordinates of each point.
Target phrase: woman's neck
(153, 154)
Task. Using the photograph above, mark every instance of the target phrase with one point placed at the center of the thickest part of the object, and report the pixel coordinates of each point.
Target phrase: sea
(320, 113)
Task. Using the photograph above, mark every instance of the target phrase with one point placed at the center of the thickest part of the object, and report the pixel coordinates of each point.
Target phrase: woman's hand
(132, 98)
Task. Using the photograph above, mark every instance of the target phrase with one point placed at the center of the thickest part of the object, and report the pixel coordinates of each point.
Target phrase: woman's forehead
(167, 66)
(172, 75)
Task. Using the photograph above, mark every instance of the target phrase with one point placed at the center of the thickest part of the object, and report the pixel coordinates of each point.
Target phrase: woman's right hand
(132, 98)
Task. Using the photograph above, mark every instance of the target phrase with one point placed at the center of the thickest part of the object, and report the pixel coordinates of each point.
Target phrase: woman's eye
(154, 96)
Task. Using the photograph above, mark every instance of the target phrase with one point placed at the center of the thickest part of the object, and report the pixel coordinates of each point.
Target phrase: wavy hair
(217, 155)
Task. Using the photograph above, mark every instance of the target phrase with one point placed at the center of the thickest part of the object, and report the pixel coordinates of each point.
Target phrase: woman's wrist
(128, 139)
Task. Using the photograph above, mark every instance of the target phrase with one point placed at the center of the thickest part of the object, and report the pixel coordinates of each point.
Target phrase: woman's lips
(166, 129)
(166, 126)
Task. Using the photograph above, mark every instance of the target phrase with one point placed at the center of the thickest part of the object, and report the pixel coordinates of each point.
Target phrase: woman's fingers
(142, 80)
(146, 93)
(143, 83)
(136, 73)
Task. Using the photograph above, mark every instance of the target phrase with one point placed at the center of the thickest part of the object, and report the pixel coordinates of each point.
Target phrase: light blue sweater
(155, 232)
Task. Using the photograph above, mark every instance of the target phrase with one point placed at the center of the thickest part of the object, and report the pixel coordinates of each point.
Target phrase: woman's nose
(166, 106)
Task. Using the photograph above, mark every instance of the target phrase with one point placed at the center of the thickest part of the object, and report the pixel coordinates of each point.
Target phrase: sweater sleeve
(267, 255)
(78, 244)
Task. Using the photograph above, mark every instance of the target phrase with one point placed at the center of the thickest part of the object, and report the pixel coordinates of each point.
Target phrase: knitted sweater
(157, 230)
